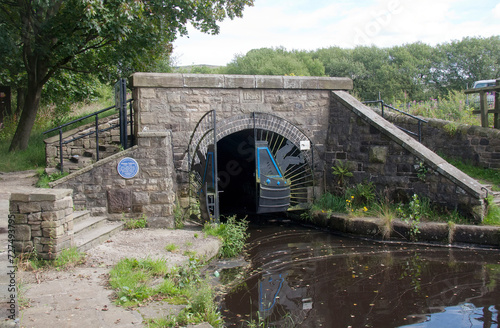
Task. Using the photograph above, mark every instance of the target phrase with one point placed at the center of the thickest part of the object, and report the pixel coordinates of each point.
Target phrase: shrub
(233, 234)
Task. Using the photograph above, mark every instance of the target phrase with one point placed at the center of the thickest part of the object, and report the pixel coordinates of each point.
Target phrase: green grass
(171, 247)
(483, 175)
(493, 215)
(330, 202)
(30, 159)
(34, 156)
(133, 281)
(68, 258)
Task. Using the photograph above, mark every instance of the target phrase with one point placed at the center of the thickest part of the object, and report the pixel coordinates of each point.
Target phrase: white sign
(305, 145)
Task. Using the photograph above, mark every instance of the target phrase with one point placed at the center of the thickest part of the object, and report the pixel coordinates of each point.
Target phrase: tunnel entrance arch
(262, 163)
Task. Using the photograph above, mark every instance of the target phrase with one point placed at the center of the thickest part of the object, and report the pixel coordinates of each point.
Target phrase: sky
(315, 24)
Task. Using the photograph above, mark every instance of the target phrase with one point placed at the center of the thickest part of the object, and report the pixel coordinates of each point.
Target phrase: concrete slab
(78, 298)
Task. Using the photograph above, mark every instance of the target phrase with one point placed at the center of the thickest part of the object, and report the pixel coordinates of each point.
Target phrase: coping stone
(222, 81)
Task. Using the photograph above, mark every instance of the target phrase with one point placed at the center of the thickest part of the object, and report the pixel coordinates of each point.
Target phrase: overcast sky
(314, 24)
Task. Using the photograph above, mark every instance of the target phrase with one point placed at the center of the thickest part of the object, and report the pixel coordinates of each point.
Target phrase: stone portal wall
(477, 145)
(100, 189)
(339, 126)
(177, 102)
(378, 152)
(43, 221)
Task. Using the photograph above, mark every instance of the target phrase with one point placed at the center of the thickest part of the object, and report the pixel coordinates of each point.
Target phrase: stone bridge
(307, 123)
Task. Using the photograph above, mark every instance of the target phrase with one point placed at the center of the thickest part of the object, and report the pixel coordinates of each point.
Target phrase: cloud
(496, 11)
(302, 24)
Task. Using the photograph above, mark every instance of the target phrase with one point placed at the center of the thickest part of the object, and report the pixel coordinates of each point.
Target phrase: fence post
(483, 103)
(496, 116)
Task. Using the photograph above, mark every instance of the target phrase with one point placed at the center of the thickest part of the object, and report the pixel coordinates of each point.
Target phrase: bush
(233, 234)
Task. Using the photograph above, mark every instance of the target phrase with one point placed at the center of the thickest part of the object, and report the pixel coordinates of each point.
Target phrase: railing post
(121, 106)
(216, 199)
(382, 106)
(97, 137)
(61, 151)
(420, 131)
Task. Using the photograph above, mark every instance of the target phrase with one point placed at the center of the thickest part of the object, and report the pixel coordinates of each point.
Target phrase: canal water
(303, 277)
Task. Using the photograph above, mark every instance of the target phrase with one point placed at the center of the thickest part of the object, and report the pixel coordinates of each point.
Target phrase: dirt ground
(80, 296)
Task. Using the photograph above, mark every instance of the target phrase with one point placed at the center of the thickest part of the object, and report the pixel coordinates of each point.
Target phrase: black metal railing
(383, 105)
(124, 120)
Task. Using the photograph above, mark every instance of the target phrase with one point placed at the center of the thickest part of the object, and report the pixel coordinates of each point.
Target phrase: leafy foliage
(44, 179)
(105, 40)
(412, 214)
(342, 172)
(406, 73)
(233, 234)
(361, 194)
(275, 61)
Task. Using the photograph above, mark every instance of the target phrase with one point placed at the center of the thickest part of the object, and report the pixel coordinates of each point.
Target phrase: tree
(275, 61)
(103, 38)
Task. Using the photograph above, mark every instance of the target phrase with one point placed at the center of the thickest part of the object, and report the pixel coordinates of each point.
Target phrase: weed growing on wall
(342, 172)
(139, 223)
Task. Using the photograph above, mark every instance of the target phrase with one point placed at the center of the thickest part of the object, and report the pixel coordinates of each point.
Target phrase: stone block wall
(43, 221)
(177, 102)
(101, 190)
(379, 152)
(475, 144)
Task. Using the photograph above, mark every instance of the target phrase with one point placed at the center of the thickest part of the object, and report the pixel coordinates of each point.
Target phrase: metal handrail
(96, 131)
(420, 120)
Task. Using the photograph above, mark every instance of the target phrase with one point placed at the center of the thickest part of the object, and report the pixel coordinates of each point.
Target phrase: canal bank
(436, 233)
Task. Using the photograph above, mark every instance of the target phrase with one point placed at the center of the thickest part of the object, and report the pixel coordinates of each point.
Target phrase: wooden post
(483, 104)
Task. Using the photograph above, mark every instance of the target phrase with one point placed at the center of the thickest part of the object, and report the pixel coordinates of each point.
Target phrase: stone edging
(177, 80)
(440, 234)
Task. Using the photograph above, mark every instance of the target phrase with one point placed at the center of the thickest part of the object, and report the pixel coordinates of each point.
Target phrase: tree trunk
(20, 101)
(28, 116)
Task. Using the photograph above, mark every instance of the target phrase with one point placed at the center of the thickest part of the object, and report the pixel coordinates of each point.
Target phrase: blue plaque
(128, 168)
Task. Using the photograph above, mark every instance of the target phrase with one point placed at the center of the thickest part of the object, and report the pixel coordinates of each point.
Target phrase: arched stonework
(264, 121)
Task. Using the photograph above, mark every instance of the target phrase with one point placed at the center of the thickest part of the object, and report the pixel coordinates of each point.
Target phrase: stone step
(79, 216)
(85, 226)
(97, 236)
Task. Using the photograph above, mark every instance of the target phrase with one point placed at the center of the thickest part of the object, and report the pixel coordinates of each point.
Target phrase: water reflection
(308, 278)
